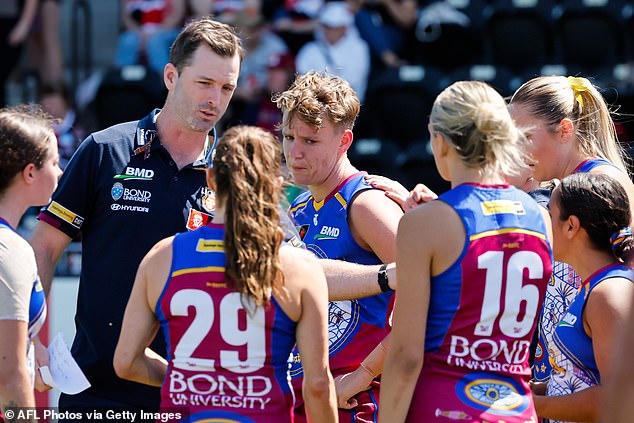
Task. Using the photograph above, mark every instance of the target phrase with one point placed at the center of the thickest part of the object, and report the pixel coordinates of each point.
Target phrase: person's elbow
(408, 360)
(123, 364)
(318, 387)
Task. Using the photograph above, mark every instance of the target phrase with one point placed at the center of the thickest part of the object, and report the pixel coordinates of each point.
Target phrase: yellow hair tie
(579, 85)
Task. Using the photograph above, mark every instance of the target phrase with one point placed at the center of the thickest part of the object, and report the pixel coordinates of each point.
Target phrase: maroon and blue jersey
(483, 311)
(228, 360)
(355, 327)
(573, 361)
(560, 293)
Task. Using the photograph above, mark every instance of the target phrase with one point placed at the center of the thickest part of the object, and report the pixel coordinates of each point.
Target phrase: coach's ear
(211, 179)
(170, 74)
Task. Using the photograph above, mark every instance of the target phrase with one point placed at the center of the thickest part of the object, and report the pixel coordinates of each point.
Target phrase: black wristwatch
(382, 279)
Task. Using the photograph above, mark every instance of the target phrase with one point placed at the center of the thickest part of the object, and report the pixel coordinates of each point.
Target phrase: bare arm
(132, 359)
(15, 382)
(48, 244)
(348, 281)
(312, 340)
(604, 314)
(619, 390)
(373, 220)
(405, 355)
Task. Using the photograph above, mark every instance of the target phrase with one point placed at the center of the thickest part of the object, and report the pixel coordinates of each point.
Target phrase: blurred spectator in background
(197, 9)
(57, 101)
(337, 48)
(260, 45)
(281, 72)
(150, 27)
(388, 26)
(16, 18)
(44, 48)
(296, 22)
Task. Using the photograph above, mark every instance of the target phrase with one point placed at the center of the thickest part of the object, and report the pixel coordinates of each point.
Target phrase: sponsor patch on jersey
(136, 173)
(210, 245)
(502, 207)
(65, 214)
(124, 207)
(492, 393)
(196, 219)
(327, 232)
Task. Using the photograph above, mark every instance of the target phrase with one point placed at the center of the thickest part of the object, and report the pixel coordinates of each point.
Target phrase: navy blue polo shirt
(124, 193)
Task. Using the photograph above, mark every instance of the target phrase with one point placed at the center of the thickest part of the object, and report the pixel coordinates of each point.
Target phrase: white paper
(67, 376)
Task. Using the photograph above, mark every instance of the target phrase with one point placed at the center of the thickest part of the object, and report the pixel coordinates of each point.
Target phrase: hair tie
(579, 85)
(619, 236)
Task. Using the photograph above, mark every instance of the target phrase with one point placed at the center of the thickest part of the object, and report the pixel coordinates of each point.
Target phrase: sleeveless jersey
(355, 326)
(228, 360)
(574, 366)
(483, 311)
(561, 290)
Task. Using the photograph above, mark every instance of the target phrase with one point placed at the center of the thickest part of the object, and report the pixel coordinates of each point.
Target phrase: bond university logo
(136, 173)
(117, 191)
(129, 194)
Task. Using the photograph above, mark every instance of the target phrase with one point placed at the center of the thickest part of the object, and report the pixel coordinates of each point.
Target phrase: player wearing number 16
(232, 302)
(472, 268)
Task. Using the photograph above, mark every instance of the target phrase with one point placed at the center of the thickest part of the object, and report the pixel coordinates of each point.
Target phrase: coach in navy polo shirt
(128, 187)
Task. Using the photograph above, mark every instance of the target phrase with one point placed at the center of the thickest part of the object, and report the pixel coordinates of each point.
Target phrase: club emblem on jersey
(197, 219)
(117, 191)
(343, 324)
(209, 201)
(213, 416)
(302, 230)
(494, 394)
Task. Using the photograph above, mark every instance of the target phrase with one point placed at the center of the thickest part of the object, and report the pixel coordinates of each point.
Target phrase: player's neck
(219, 214)
(338, 175)
(184, 146)
(12, 208)
(462, 174)
(587, 260)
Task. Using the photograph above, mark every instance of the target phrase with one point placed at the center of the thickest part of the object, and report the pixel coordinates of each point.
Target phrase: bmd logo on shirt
(132, 173)
(327, 232)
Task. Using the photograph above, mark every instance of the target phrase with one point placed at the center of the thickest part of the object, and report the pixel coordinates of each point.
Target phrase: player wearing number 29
(232, 302)
(472, 269)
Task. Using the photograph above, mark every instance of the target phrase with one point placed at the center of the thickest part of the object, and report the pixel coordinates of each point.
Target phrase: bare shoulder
(611, 293)
(371, 201)
(432, 217)
(617, 174)
(160, 251)
(433, 229)
(296, 262)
